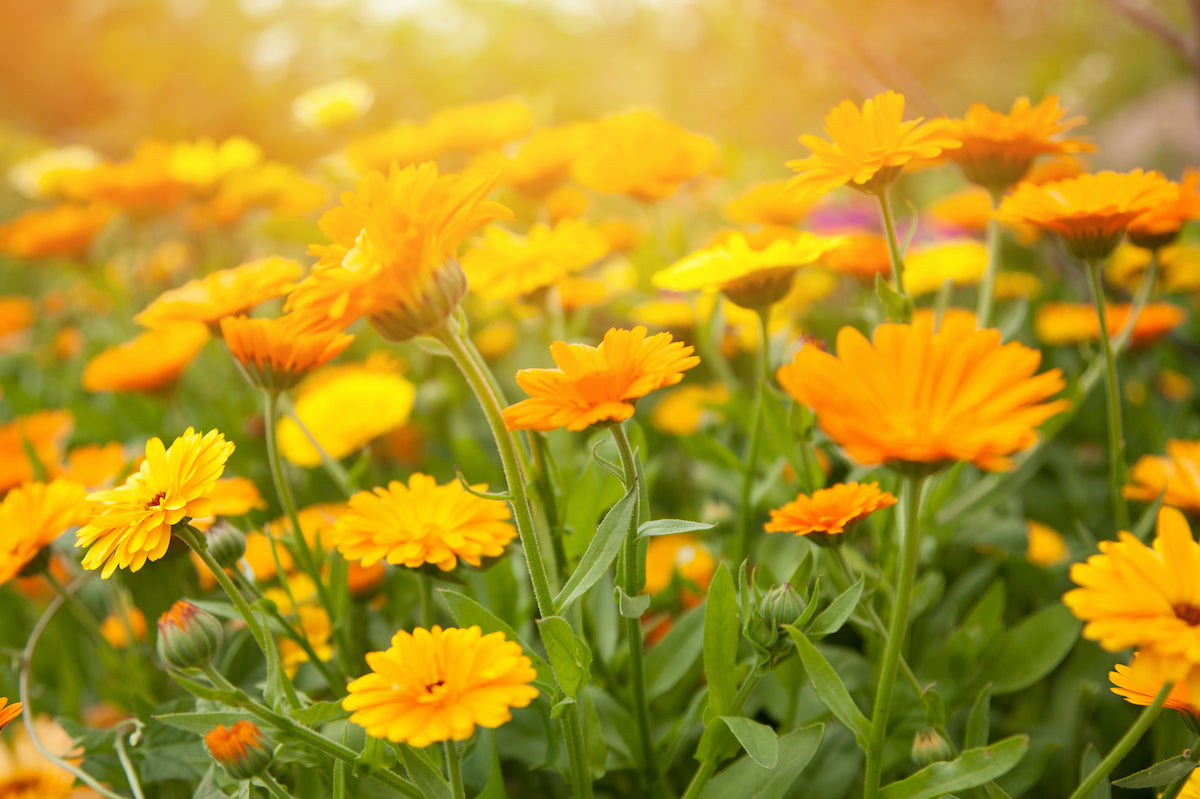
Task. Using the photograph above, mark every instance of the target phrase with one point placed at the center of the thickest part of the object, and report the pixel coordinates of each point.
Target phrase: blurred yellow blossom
(201, 164)
(1046, 546)
(65, 231)
(479, 126)
(684, 410)
(962, 262)
(774, 203)
(1064, 323)
(504, 266)
(52, 173)
(642, 155)
(226, 292)
(333, 105)
(116, 627)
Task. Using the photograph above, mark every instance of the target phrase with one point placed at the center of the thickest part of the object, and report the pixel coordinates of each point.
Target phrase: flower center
(158, 498)
(1187, 612)
(434, 692)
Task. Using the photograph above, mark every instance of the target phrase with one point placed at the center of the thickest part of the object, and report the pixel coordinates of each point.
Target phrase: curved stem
(1116, 431)
(1122, 747)
(454, 770)
(481, 366)
(910, 542)
(127, 766)
(889, 226)
(700, 779)
(987, 287)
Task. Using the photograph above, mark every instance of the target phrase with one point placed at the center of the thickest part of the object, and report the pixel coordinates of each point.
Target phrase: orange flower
(275, 353)
(1046, 546)
(116, 628)
(32, 515)
(1161, 226)
(65, 231)
(1176, 478)
(224, 293)
(998, 149)
(1140, 681)
(829, 511)
(775, 203)
(1060, 324)
(544, 161)
(505, 266)
(43, 432)
(242, 750)
(95, 465)
(8, 712)
(142, 185)
(679, 554)
(481, 126)
(869, 146)
(1090, 212)
(152, 360)
(598, 384)
(859, 255)
(16, 316)
(390, 253)
(914, 396)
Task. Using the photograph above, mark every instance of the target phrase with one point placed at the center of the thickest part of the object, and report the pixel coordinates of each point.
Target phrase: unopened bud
(242, 750)
(929, 747)
(780, 605)
(187, 635)
(226, 544)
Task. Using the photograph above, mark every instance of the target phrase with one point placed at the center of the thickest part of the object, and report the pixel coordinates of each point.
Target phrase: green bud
(929, 747)
(780, 605)
(226, 544)
(187, 635)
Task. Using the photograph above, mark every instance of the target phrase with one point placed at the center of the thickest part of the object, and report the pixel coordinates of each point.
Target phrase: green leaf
(758, 740)
(1089, 761)
(830, 688)
(203, 723)
(676, 654)
(1161, 773)
(671, 527)
(720, 642)
(898, 306)
(804, 569)
(833, 617)
(569, 654)
(467, 612)
(980, 719)
(973, 767)
(707, 448)
(746, 779)
(779, 428)
(631, 607)
(320, 713)
(427, 778)
(1032, 648)
(601, 552)
(1146, 522)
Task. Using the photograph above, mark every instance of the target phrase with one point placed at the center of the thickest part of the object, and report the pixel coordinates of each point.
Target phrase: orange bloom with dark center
(868, 147)
(1176, 477)
(8, 712)
(1090, 212)
(1065, 323)
(915, 396)
(65, 231)
(276, 353)
(598, 384)
(1161, 225)
(224, 293)
(152, 360)
(829, 510)
(1140, 681)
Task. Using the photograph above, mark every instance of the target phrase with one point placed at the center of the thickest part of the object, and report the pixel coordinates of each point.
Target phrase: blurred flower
(152, 360)
(775, 203)
(1090, 212)
(317, 630)
(480, 126)
(227, 292)
(33, 515)
(380, 397)
(52, 173)
(598, 384)
(1191, 788)
(116, 628)
(132, 523)
(42, 433)
(333, 105)
(423, 523)
(201, 164)
(276, 353)
(362, 579)
(566, 202)
(1017, 285)
(68, 343)
(277, 187)
(642, 155)
(683, 411)
(914, 396)
(969, 210)
(927, 268)
(231, 496)
(1140, 681)
(400, 145)
(504, 266)
(1174, 386)
(544, 161)
(1161, 225)
(26, 774)
(679, 554)
(64, 231)
(8, 712)
(869, 147)
(390, 253)
(829, 512)
(998, 149)
(242, 750)
(859, 255)
(1176, 477)
(16, 316)
(142, 185)
(1046, 546)
(964, 317)
(622, 235)
(94, 465)
(576, 292)
(1060, 324)
(437, 685)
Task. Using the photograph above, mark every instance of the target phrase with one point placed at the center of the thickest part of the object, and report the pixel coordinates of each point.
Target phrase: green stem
(1122, 747)
(273, 787)
(82, 614)
(1116, 432)
(708, 767)
(425, 592)
(581, 777)
(743, 545)
(987, 287)
(1192, 754)
(700, 779)
(127, 766)
(910, 542)
(481, 366)
(897, 257)
(331, 465)
(454, 770)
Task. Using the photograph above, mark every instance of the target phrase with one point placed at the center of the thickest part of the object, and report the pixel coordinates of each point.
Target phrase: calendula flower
(16, 317)
(913, 396)
(152, 360)
(1176, 477)
(504, 266)
(242, 750)
(567, 202)
(829, 512)
(333, 105)
(227, 292)
(32, 515)
(422, 522)
(868, 147)
(544, 161)
(317, 629)
(682, 411)
(859, 255)
(1174, 386)
(1161, 225)
(231, 496)
(276, 353)
(390, 253)
(998, 148)
(202, 164)
(437, 685)
(481, 126)
(1140, 681)
(26, 774)
(1060, 324)
(8, 712)
(43, 432)
(1046, 546)
(642, 155)
(1089, 212)
(65, 231)
(927, 268)
(400, 145)
(775, 203)
(95, 465)
(598, 384)
(752, 278)
(118, 627)
(281, 188)
(52, 173)
(1191, 788)
(132, 523)
(680, 554)
(1017, 285)
(142, 185)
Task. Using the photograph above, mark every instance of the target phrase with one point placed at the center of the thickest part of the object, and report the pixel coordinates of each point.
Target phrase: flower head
(829, 511)
(869, 146)
(480, 126)
(1176, 477)
(679, 554)
(32, 515)
(132, 523)
(8, 712)
(65, 231)
(41, 434)
(422, 522)
(333, 105)
(1060, 324)
(1140, 681)
(187, 635)
(224, 293)
(1161, 225)
(242, 750)
(684, 410)
(151, 360)
(141, 185)
(775, 203)
(961, 262)
(202, 164)
(275, 353)
(915, 396)
(545, 160)
(52, 173)
(505, 266)
(1046, 546)
(859, 255)
(598, 384)
(437, 685)
(26, 774)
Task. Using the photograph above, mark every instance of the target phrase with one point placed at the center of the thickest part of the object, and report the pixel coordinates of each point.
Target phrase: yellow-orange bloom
(94, 465)
(775, 203)
(1046, 546)
(868, 147)
(916, 396)
(1140, 681)
(227, 292)
(1060, 324)
(598, 384)
(961, 262)
(26, 774)
(998, 149)
(152, 360)
(141, 185)
(132, 523)
(1161, 225)
(422, 522)
(116, 628)
(505, 266)
(545, 160)
(43, 432)
(480, 126)
(8, 712)
(333, 105)
(32, 515)
(275, 353)
(242, 750)
(860, 255)
(1176, 477)
(1089, 212)
(682, 411)
(829, 511)
(202, 164)
(680, 554)
(437, 685)
(642, 155)
(65, 231)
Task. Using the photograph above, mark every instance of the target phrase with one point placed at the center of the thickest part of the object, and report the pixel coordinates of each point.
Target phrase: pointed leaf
(833, 617)
(758, 740)
(1161, 773)
(671, 527)
(973, 767)
(569, 654)
(979, 721)
(1032, 648)
(721, 632)
(830, 688)
(746, 779)
(601, 552)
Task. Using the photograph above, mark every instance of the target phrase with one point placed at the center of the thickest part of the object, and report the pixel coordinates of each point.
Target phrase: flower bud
(226, 544)
(780, 605)
(187, 635)
(402, 321)
(242, 750)
(929, 747)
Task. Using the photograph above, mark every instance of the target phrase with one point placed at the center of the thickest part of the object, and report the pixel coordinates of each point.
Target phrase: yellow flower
(829, 511)
(1046, 545)
(961, 262)
(32, 515)
(26, 774)
(969, 210)
(276, 353)
(52, 173)
(380, 397)
(333, 105)
(869, 147)
(682, 411)
(43, 432)
(567, 202)
(8, 712)
(132, 523)
(1176, 477)
(859, 255)
(437, 685)
(1161, 225)
(65, 231)
(680, 554)
(227, 292)
(278, 187)
(317, 629)
(399, 145)
(16, 316)
(598, 384)
(1140, 681)
(918, 397)
(480, 126)
(142, 185)
(116, 628)
(642, 155)
(775, 203)
(1015, 285)
(231, 496)
(1191, 788)
(504, 266)
(1060, 324)
(152, 360)
(423, 523)
(1175, 386)
(201, 164)
(544, 161)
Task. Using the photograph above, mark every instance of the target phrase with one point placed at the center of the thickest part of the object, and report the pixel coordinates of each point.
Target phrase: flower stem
(331, 465)
(743, 545)
(1192, 754)
(127, 766)
(454, 770)
(987, 287)
(274, 788)
(910, 541)
(708, 767)
(581, 775)
(1116, 432)
(1122, 747)
(425, 592)
(889, 226)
